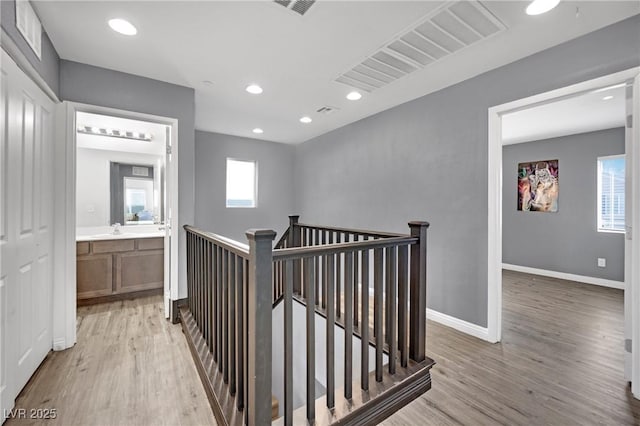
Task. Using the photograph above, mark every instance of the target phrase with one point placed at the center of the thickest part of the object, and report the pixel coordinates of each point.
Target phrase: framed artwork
(538, 186)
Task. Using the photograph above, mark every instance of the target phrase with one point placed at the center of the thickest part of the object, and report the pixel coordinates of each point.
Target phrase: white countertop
(99, 233)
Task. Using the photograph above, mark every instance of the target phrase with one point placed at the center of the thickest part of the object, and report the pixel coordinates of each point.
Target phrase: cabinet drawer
(82, 247)
(150, 243)
(113, 246)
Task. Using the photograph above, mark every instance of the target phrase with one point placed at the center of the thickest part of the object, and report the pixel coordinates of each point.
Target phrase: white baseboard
(458, 324)
(564, 276)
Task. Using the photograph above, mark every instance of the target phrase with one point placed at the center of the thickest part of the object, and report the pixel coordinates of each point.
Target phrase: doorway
(628, 79)
(104, 147)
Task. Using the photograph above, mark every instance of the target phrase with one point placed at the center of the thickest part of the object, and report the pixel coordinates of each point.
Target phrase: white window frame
(255, 183)
(599, 226)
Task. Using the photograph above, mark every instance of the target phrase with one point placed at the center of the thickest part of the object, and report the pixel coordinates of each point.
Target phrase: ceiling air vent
(444, 31)
(299, 6)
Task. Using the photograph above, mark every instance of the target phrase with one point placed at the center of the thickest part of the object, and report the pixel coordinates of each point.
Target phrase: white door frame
(494, 278)
(65, 183)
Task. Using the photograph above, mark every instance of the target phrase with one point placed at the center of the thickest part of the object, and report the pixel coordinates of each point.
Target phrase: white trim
(65, 184)
(458, 324)
(16, 54)
(565, 276)
(633, 282)
(494, 199)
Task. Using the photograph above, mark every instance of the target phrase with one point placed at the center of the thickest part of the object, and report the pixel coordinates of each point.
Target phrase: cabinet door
(139, 270)
(94, 275)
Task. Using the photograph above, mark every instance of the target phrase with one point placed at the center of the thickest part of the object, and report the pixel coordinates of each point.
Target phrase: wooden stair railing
(228, 324)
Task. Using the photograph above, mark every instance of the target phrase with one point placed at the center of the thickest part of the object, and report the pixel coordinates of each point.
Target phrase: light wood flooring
(560, 363)
(129, 367)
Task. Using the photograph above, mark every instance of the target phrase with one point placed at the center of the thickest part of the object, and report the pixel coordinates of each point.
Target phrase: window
(611, 193)
(241, 183)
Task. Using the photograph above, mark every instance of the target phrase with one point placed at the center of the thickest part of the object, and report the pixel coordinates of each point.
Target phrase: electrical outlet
(602, 262)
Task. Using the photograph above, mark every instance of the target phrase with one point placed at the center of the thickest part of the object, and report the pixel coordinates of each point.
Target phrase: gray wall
(275, 184)
(566, 241)
(103, 87)
(427, 160)
(48, 67)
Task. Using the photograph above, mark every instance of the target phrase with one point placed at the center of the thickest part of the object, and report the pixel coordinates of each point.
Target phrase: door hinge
(627, 345)
(168, 149)
(629, 121)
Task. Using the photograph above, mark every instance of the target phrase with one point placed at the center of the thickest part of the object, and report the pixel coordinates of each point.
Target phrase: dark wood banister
(294, 253)
(254, 265)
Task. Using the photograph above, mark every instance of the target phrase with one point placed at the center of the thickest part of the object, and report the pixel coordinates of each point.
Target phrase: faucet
(116, 229)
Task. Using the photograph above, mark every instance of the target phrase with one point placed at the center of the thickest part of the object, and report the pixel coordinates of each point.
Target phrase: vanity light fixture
(538, 7)
(254, 89)
(607, 98)
(306, 120)
(258, 130)
(123, 26)
(116, 133)
(354, 96)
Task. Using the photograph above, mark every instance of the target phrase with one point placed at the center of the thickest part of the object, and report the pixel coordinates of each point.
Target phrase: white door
(26, 217)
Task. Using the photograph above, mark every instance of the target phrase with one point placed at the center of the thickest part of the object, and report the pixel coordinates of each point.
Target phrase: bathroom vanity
(119, 265)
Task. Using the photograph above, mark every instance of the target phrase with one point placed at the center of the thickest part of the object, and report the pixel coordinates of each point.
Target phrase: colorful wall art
(538, 186)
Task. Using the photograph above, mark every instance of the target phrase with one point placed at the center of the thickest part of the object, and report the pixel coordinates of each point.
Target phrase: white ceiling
(156, 146)
(295, 58)
(579, 114)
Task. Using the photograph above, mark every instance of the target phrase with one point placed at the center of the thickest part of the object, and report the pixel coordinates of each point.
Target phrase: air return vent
(299, 6)
(441, 33)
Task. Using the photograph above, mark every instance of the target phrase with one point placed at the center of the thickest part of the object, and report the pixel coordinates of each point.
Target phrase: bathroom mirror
(135, 198)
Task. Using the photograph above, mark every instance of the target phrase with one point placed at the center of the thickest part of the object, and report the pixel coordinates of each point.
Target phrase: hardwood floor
(560, 362)
(129, 367)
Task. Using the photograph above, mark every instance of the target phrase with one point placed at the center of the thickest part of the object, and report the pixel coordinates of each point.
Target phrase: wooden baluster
(209, 312)
(225, 315)
(387, 298)
(245, 334)
(294, 241)
(232, 323)
(331, 325)
(220, 307)
(259, 327)
(418, 295)
(240, 283)
(377, 309)
(316, 286)
(309, 282)
(198, 283)
(364, 324)
(391, 331)
(356, 280)
(214, 301)
(403, 292)
(338, 278)
(324, 272)
(288, 342)
(189, 271)
(348, 325)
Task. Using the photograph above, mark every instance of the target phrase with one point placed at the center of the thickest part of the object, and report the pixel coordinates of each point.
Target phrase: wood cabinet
(111, 267)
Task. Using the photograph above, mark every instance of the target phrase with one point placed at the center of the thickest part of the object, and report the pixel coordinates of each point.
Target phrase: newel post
(259, 326)
(418, 292)
(295, 240)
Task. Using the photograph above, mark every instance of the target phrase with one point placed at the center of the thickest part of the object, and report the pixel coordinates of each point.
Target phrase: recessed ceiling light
(538, 7)
(122, 26)
(258, 130)
(254, 89)
(306, 120)
(607, 98)
(354, 96)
